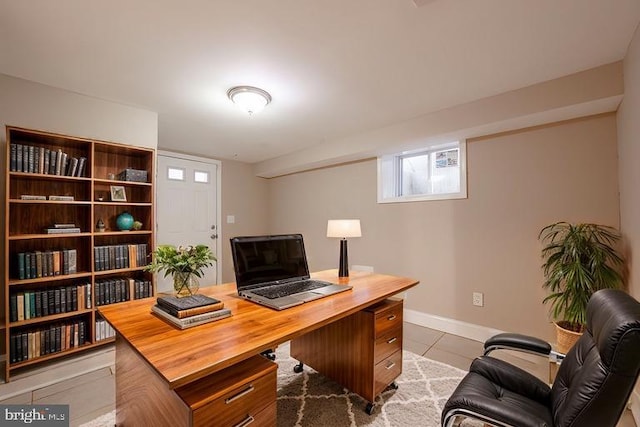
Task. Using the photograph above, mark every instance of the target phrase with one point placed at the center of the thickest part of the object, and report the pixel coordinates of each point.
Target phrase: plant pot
(185, 284)
(565, 338)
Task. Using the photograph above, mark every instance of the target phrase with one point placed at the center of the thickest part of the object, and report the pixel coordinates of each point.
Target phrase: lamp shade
(343, 228)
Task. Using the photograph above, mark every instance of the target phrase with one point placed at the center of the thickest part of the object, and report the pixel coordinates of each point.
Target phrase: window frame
(176, 168)
(195, 174)
(390, 169)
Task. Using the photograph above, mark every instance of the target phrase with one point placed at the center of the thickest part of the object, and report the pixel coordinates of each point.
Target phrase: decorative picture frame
(118, 193)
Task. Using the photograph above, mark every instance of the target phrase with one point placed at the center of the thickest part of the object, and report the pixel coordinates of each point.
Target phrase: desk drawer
(389, 317)
(264, 418)
(241, 404)
(387, 345)
(387, 371)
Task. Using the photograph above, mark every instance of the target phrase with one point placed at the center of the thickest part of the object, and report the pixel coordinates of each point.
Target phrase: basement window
(436, 172)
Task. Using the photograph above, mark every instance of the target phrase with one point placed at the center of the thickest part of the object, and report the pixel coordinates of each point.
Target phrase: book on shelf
(73, 167)
(62, 198)
(63, 165)
(104, 330)
(58, 164)
(81, 166)
(41, 160)
(40, 341)
(113, 257)
(63, 225)
(32, 265)
(61, 230)
(32, 155)
(32, 197)
(45, 163)
(13, 157)
(41, 153)
(191, 321)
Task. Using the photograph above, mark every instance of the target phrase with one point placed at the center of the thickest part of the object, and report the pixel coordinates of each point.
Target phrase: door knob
(214, 236)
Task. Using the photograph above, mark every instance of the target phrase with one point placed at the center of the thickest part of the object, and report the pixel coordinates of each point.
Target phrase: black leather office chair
(591, 388)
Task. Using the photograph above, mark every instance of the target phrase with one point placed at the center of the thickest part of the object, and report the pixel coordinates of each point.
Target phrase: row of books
(104, 330)
(113, 257)
(32, 265)
(54, 338)
(36, 159)
(46, 302)
(189, 311)
(113, 290)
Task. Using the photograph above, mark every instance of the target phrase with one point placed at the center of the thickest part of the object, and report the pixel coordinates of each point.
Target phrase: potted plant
(184, 263)
(579, 259)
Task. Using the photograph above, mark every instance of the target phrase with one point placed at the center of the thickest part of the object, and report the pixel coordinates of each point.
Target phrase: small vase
(185, 284)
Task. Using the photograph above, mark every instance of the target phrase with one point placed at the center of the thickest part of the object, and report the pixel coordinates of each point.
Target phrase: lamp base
(343, 271)
(343, 280)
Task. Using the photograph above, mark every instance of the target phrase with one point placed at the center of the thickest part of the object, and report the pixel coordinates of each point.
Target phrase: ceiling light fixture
(249, 98)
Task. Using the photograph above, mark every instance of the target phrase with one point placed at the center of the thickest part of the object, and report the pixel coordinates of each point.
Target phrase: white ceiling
(334, 68)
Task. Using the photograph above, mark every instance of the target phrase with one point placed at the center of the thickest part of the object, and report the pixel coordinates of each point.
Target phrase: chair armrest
(511, 377)
(518, 342)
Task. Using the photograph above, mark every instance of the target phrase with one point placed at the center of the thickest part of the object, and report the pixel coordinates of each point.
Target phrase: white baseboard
(450, 326)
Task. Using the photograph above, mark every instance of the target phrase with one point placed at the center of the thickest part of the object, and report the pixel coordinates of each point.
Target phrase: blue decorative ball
(124, 221)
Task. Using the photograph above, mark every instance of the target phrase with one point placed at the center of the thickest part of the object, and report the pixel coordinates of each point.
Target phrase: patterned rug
(310, 400)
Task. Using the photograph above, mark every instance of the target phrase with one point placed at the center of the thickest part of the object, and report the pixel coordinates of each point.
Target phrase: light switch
(231, 219)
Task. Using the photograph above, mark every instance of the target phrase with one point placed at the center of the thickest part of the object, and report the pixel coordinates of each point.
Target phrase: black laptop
(273, 271)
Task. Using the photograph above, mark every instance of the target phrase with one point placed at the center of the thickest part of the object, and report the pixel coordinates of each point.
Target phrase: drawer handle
(390, 365)
(392, 340)
(239, 395)
(245, 422)
(392, 317)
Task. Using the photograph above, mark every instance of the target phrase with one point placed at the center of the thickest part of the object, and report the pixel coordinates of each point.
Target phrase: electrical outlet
(478, 299)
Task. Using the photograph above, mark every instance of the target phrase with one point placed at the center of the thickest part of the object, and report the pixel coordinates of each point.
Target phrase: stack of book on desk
(189, 311)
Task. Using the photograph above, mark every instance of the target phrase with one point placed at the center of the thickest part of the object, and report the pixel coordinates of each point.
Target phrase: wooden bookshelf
(65, 263)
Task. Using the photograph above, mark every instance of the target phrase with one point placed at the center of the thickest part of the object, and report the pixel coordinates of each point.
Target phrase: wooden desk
(161, 358)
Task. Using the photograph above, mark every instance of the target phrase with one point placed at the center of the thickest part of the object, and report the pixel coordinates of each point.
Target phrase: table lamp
(343, 228)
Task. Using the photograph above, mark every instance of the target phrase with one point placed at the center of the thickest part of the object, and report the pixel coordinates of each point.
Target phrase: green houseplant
(184, 263)
(579, 259)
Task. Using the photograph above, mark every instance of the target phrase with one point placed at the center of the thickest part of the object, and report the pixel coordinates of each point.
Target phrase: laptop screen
(263, 259)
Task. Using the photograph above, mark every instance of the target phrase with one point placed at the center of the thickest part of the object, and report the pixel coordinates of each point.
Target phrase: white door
(188, 206)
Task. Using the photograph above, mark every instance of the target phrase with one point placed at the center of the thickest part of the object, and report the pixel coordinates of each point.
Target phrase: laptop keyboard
(278, 291)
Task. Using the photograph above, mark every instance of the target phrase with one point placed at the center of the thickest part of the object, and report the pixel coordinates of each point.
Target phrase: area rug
(310, 400)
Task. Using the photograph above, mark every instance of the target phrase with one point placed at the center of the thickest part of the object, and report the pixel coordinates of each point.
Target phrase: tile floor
(87, 384)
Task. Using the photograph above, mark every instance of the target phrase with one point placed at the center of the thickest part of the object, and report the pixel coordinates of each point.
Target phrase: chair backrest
(598, 374)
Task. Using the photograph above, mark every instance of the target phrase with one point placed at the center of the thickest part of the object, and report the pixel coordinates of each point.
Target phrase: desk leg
(143, 398)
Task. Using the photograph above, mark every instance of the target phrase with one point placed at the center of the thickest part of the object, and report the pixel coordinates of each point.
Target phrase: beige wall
(245, 197)
(35, 106)
(590, 92)
(629, 147)
(629, 154)
(518, 182)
